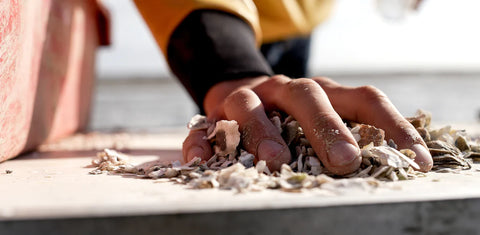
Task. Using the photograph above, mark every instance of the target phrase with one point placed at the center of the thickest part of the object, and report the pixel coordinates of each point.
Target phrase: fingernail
(342, 153)
(274, 153)
(194, 152)
(422, 157)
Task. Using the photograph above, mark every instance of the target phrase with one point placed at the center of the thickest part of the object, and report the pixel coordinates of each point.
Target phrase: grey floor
(154, 104)
(140, 105)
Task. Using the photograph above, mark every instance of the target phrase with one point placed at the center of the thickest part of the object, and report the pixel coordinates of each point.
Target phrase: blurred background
(427, 59)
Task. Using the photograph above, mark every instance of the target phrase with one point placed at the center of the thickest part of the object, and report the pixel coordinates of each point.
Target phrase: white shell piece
(194, 175)
(355, 129)
(229, 139)
(388, 156)
(277, 123)
(198, 122)
(194, 162)
(380, 170)
(112, 161)
(261, 165)
(314, 164)
(286, 172)
(355, 134)
(293, 165)
(206, 181)
(171, 172)
(157, 174)
(402, 174)
(393, 176)
(312, 161)
(300, 163)
(364, 173)
(237, 177)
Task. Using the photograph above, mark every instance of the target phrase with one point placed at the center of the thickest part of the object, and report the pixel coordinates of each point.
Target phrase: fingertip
(343, 158)
(422, 157)
(196, 145)
(195, 151)
(274, 154)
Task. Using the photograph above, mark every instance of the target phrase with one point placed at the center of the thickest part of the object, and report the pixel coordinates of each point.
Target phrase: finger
(305, 100)
(196, 145)
(216, 94)
(259, 135)
(373, 107)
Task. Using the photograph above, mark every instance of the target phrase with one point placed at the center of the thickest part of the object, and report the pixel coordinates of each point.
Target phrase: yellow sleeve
(280, 19)
(163, 16)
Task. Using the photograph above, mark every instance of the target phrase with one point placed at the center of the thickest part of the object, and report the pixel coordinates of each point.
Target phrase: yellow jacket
(271, 20)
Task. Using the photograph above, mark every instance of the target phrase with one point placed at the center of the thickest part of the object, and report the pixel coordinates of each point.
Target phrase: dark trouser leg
(289, 57)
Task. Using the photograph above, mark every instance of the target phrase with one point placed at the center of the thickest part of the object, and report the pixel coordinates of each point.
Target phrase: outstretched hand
(318, 104)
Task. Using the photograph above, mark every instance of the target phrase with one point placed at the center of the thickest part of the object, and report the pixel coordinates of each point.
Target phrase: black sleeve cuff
(209, 47)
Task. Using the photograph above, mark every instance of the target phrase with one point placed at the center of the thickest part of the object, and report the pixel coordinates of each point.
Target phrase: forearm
(209, 47)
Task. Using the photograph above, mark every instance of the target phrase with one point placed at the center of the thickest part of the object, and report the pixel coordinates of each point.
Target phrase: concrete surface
(51, 192)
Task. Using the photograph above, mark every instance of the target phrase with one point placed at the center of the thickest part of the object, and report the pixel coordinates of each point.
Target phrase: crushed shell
(234, 168)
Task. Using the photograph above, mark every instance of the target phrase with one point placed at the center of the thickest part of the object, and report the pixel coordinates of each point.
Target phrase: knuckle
(301, 85)
(239, 96)
(276, 81)
(371, 94)
(281, 79)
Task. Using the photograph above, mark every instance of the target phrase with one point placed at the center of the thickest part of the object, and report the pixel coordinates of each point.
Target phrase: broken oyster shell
(366, 134)
(227, 137)
(112, 161)
(198, 122)
(384, 162)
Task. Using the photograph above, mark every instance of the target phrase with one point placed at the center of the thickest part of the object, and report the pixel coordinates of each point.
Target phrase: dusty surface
(55, 183)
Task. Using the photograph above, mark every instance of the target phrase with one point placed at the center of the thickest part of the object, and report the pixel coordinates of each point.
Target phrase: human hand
(318, 104)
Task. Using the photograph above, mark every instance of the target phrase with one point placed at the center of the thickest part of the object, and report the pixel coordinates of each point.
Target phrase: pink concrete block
(47, 56)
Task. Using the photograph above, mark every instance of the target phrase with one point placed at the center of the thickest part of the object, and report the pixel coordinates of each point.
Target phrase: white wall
(133, 52)
(443, 36)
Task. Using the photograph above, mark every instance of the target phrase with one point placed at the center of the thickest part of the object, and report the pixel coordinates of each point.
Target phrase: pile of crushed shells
(234, 168)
